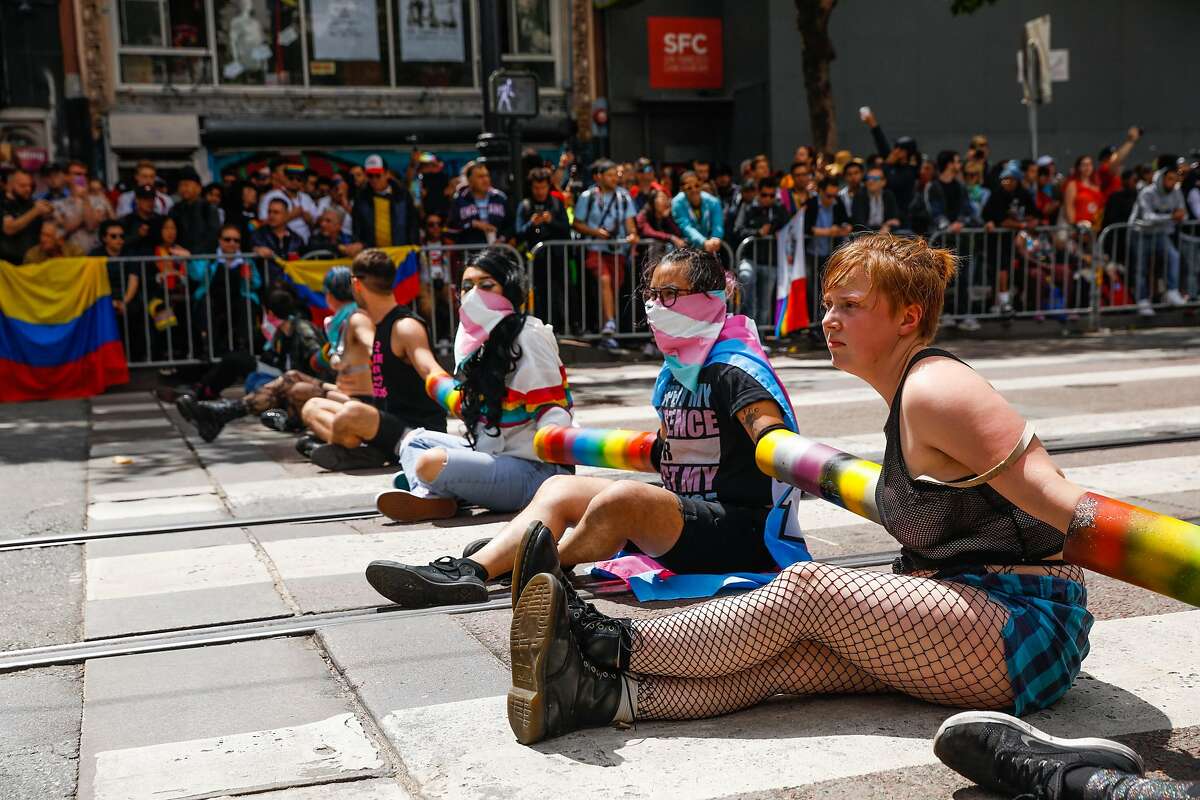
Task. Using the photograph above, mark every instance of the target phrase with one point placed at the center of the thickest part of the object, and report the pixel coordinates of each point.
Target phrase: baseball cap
(1011, 170)
(145, 192)
(1045, 161)
(373, 165)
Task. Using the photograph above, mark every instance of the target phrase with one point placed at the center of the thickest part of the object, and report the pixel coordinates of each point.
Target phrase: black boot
(210, 416)
(555, 690)
(1010, 757)
(605, 642)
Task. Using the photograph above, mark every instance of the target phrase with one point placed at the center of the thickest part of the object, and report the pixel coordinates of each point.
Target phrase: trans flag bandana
(479, 313)
(686, 331)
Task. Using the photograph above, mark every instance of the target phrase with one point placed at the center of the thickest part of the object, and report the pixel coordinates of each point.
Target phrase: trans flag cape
(738, 345)
(307, 277)
(58, 331)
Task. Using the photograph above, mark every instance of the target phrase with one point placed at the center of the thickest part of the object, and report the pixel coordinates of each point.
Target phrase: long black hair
(484, 374)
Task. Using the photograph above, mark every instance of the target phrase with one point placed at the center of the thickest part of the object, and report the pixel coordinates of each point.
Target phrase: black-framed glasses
(667, 295)
(487, 285)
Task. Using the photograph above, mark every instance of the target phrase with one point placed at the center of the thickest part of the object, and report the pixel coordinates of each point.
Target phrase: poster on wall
(345, 30)
(685, 52)
(431, 30)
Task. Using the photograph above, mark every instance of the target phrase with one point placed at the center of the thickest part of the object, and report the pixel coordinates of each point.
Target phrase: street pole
(489, 56)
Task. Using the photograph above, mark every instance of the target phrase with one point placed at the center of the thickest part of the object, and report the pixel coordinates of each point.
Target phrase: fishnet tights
(818, 629)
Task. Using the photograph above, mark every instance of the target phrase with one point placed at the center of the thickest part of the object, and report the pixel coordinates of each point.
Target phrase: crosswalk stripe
(170, 571)
(452, 749)
(142, 574)
(334, 748)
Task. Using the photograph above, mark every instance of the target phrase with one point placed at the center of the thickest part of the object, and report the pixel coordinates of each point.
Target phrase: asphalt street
(399, 706)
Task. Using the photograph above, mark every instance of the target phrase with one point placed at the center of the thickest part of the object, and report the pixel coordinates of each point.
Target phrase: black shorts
(391, 431)
(719, 538)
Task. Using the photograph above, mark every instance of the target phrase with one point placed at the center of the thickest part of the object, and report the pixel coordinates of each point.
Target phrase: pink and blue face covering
(478, 314)
(687, 331)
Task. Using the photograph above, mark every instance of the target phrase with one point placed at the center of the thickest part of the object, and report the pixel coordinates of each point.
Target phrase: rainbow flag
(58, 330)
(307, 277)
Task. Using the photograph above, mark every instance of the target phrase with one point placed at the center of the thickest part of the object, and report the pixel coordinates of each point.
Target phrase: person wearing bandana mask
(710, 514)
(513, 383)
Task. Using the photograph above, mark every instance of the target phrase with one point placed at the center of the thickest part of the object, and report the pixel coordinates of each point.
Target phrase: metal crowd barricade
(185, 309)
(1156, 263)
(1043, 272)
(580, 284)
(756, 265)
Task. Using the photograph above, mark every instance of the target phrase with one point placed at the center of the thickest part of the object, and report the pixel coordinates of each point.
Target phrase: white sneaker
(609, 328)
(1174, 298)
(969, 324)
(1145, 309)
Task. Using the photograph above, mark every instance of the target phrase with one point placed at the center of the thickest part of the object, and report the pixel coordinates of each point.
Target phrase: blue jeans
(1156, 247)
(499, 483)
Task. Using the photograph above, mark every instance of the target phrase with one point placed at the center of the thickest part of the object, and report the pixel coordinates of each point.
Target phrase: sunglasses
(114, 236)
(231, 238)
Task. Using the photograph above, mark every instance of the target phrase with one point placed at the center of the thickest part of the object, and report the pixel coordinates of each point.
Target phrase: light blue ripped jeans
(499, 483)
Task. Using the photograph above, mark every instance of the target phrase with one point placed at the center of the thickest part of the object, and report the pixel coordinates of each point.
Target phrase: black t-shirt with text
(707, 453)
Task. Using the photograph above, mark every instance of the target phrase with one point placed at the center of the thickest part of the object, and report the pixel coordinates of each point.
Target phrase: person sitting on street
(362, 435)
(710, 514)
(513, 384)
(295, 346)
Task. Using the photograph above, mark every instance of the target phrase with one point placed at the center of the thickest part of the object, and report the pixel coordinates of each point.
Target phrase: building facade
(217, 84)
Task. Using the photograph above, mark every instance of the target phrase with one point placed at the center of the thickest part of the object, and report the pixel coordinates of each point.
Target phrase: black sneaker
(448, 581)
(474, 547)
(1005, 755)
(306, 444)
(336, 458)
(554, 689)
(278, 419)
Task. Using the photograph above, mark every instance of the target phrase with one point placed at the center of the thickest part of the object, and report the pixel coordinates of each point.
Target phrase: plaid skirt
(1046, 636)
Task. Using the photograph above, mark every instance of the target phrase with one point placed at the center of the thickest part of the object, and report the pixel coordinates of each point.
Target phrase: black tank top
(397, 387)
(942, 527)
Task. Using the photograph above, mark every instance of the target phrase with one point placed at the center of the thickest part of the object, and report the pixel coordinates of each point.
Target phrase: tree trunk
(812, 19)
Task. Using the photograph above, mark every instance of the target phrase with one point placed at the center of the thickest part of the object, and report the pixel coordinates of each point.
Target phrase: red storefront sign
(685, 52)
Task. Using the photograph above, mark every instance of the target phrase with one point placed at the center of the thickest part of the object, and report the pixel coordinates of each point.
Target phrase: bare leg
(318, 415)
(934, 640)
(354, 424)
(624, 511)
(808, 668)
(559, 503)
(607, 303)
(300, 393)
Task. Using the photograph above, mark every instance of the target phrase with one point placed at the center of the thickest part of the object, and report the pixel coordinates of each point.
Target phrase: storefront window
(531, 27)
(348, 43)
(258, 43)
(174, 70)
(164, 23)
(434, 43)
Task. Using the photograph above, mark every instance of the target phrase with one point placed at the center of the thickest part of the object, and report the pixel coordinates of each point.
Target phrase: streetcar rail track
(1053, 446)
(232, 633)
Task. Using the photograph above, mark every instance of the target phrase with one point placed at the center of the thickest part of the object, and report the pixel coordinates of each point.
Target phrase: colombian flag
(58, 331)
(307, 277)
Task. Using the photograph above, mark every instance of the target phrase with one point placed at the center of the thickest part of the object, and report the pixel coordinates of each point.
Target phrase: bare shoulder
(940, 385)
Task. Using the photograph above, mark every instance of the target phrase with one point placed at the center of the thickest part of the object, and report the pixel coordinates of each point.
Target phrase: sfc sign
(514, 94)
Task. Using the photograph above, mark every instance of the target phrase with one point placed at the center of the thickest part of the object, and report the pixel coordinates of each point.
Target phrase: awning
(365, 131)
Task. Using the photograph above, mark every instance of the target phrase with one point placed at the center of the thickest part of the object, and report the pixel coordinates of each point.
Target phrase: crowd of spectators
(626, 210)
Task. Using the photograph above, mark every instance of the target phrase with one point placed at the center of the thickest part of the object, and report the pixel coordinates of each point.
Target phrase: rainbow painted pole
(1116, 539)
(828, 473)
(612, 448)
(445, 392)
(1136, 545)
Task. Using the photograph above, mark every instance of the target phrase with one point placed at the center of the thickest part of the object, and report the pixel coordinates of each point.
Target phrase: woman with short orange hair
(979, 612)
